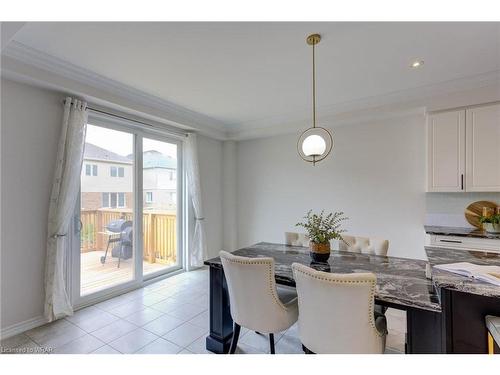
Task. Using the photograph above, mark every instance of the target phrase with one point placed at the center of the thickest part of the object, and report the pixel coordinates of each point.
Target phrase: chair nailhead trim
(371, 316)
(272, 281)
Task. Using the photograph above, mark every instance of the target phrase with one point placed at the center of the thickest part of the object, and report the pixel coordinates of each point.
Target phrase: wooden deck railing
(159, 232)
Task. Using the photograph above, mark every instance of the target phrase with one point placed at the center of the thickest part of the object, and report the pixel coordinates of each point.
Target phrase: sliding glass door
(106, 210)
(160, 205)
(128, 220)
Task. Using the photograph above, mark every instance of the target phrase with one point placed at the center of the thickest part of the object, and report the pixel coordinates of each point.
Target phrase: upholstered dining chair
(254, 299)
(296, 239)
(336, 312)
(364, 245)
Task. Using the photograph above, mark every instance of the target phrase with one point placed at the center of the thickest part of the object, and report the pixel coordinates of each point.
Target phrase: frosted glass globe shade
(314, 145)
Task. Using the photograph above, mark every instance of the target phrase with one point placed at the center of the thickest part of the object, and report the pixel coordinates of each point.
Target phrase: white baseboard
(21, 327)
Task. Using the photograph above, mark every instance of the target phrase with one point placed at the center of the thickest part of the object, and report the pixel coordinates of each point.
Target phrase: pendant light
(315, 143)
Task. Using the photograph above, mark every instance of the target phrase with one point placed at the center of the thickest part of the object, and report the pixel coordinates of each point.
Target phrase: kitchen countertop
(448, 280)
(400, 281)
(460, 232)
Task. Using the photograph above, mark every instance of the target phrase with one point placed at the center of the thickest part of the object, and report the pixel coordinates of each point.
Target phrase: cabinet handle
(452, 241)
(462, 181)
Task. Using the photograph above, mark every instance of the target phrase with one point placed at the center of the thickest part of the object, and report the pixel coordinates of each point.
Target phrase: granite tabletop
(448, 280)
(460, 232)
(400, 281)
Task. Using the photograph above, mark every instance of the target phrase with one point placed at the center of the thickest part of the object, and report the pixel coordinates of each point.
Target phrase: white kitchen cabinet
(446, 151)
(465, 243)
(483, 148)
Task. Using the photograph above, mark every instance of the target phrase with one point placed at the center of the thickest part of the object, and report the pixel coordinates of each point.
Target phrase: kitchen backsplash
(447, 209)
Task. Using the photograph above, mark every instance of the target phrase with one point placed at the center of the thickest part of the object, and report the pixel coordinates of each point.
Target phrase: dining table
(401, 284)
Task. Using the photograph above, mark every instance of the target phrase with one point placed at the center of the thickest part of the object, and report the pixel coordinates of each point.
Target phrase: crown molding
(395, 102)
(111, 92)
(344, 119)
(173, 113)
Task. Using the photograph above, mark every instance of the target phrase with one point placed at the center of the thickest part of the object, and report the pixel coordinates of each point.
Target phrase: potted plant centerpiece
(321, 229)
(491, 224)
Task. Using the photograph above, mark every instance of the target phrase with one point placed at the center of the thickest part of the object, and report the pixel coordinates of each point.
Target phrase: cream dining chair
(336, 312)
(364, 245)
(296, 239)
(255, 302)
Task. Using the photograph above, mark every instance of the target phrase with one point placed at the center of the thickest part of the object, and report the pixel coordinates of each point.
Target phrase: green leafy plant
(493, 219)
(321, 228)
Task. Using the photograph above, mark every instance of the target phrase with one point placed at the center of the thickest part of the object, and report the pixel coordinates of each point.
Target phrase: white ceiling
(247, 74)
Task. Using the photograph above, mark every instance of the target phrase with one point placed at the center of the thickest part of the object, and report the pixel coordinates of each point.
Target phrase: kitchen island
(464, 301)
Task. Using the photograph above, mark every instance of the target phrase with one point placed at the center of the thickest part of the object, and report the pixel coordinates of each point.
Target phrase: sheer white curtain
(65, 188)
(198, 247)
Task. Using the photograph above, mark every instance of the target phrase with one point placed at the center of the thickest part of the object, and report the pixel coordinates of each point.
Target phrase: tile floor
(168, 317)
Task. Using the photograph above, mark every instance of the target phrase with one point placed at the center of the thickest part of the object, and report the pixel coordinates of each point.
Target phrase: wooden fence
(159, 232)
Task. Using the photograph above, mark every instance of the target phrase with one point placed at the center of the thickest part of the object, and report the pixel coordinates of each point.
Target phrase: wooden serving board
(474, 211)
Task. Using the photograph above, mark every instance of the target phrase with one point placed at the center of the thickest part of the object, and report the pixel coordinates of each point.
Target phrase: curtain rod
(178, 132)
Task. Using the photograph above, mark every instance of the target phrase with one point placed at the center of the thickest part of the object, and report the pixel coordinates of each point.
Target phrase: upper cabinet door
(483, 148)
(446, 151)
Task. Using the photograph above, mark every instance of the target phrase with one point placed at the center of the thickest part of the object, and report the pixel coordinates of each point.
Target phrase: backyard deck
(96, 276)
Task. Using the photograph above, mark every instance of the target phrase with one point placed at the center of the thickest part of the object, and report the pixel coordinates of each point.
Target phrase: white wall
(31, 121)
(229, 191)
(30, 127)
(375, 174)
(210, 158)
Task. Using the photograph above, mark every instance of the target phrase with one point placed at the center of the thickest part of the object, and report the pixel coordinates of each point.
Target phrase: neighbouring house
(159, 181)
(106, 180)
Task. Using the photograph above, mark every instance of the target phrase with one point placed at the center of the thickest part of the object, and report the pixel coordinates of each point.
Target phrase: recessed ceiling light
(417, 64)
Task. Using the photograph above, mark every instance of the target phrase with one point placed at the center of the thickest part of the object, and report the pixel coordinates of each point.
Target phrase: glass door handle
(79, 225)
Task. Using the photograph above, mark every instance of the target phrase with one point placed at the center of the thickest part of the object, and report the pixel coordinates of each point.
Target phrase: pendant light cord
(314, 88)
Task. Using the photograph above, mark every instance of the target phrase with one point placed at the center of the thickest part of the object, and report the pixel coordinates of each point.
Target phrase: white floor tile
(152, 298)
(167, 305)
(15, 341)
(392, 351)
(259, 341)
(114, 330)
(144, 316)
(187, 311)
(115, 302)
(188, 295)
(201, 301)
(176, 310)
(163, 324)
(127, 308)
(133, 341)
(106, 349)
(247, 349)
(53, 328)
(54, 335)
(289, 344)
(201, 320)
(395, 340)
(160, 346)
(185, 334)
(199, 346)
(165, 291)
(96, 320)
(83, 345)
(83, 314)
(31, 348)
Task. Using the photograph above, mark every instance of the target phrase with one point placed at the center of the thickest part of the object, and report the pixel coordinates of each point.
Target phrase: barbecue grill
(119, 232)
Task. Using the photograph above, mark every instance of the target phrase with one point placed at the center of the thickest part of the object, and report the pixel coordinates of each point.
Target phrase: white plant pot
(491, 228)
